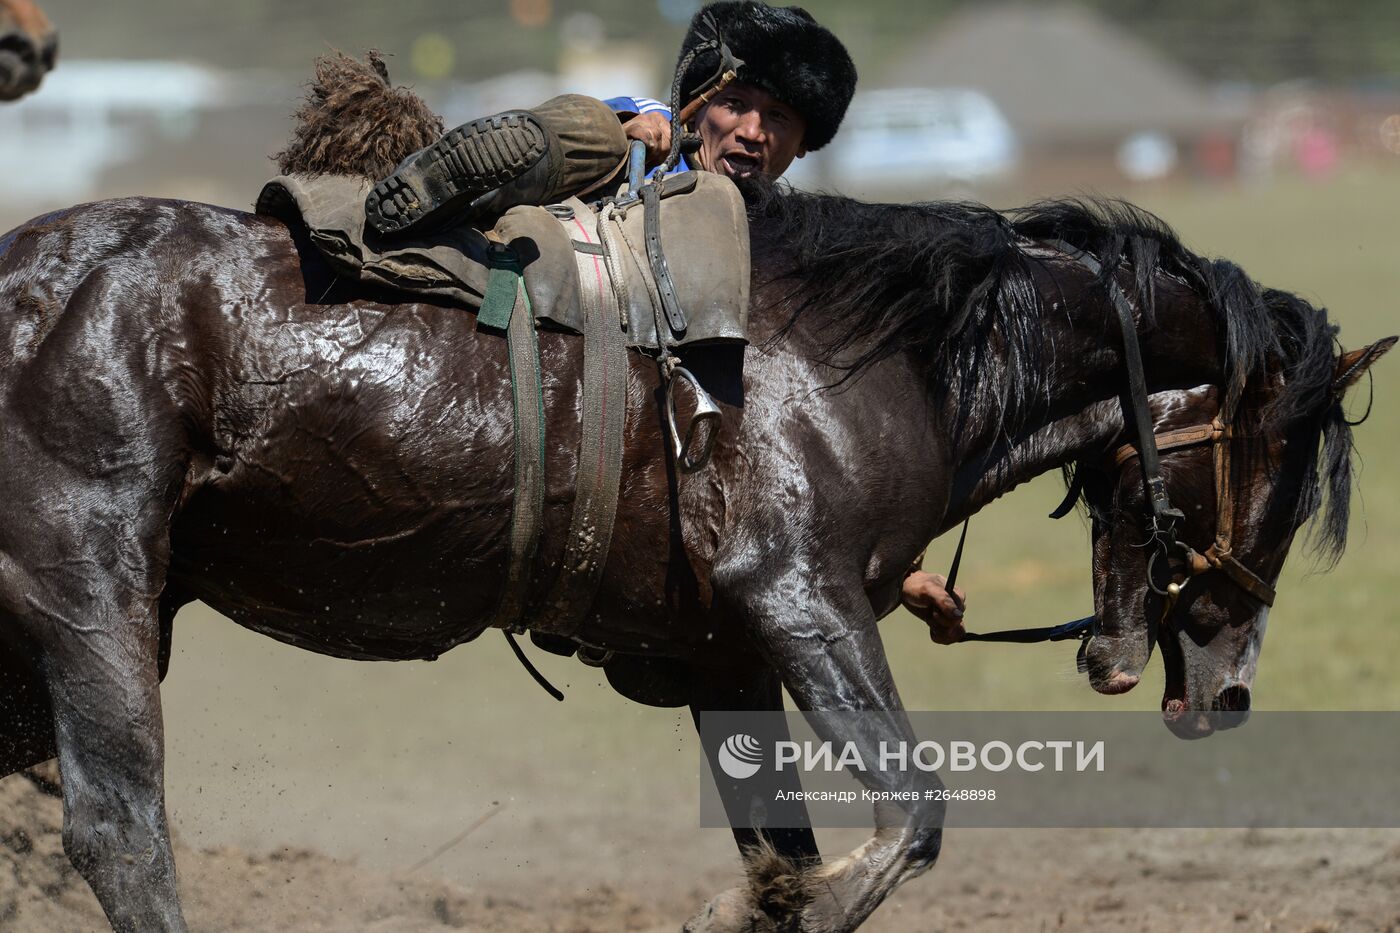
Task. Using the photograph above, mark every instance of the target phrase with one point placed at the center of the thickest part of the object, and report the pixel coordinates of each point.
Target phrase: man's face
(745, 131)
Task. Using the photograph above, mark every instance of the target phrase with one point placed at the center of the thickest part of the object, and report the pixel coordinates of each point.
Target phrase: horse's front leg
(826, 647)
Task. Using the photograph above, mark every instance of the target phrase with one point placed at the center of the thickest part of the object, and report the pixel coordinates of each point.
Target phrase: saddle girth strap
(604, 405)
(506, 305)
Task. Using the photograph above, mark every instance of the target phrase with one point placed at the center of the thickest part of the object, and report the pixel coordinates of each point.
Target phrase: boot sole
(469, 161)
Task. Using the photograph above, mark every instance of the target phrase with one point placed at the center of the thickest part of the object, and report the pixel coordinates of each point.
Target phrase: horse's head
(1243, 496)
(28, 48)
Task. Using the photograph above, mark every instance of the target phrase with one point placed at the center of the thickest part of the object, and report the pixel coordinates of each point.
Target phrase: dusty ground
(989, 880)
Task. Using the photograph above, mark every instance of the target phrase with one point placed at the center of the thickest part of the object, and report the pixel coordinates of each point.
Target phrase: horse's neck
(990, 472)
(991, 462)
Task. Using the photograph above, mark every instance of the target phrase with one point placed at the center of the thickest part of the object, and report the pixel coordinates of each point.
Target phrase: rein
(1164, 519)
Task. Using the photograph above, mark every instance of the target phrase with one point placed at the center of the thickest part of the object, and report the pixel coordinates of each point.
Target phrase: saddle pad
(704, 232)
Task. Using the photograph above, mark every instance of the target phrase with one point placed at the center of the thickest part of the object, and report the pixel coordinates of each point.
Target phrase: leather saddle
(703, 233)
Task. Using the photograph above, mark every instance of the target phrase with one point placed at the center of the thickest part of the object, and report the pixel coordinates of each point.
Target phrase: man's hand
(654, 129)
(926, 595)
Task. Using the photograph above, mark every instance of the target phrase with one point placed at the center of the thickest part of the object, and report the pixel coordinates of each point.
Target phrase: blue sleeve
(629, 106)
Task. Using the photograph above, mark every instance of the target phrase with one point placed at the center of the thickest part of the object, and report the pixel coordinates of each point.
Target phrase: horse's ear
(1351, 366)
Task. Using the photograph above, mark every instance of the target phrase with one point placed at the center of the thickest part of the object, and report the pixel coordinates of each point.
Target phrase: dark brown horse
(196, 407)
(28, 47)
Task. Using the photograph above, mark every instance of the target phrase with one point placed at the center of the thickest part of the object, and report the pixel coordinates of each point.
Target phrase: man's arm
(645, 119)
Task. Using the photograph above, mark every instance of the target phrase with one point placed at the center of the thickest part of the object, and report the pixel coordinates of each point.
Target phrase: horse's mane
(952, 285)
(355, 122)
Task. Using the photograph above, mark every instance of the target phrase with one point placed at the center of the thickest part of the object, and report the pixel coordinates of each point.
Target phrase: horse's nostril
(1118, 682)
(18, 44)
(1233, 699)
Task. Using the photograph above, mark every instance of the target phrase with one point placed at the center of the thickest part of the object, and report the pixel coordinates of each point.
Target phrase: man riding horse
(787, 98)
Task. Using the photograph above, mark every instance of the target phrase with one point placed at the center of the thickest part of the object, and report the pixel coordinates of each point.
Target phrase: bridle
(1164, 520)
(1219, 556)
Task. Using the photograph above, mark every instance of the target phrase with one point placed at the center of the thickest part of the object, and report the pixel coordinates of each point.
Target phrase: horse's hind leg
(94, 457)
(26, 724)
(83, 569)
(104, 689)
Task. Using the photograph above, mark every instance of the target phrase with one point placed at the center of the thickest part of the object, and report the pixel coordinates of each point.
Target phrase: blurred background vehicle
(913, 136)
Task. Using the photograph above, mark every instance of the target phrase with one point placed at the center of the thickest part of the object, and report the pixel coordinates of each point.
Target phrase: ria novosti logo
(740, 756)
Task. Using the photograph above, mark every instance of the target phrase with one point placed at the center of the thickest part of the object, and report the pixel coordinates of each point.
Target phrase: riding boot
(481, 168)
(567, 145)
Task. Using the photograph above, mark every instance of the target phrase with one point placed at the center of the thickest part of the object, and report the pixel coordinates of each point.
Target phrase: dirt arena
(314, 795)
(988, 880)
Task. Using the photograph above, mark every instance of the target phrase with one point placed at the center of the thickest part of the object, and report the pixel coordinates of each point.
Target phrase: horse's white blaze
(1249, 662)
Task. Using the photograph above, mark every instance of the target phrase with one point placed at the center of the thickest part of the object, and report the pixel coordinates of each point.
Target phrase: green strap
(527, 506)
(502, 286)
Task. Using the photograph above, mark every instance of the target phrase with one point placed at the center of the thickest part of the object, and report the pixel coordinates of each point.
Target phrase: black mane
(951, 285)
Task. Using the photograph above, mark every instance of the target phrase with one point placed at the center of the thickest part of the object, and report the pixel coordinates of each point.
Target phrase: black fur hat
(786, 53)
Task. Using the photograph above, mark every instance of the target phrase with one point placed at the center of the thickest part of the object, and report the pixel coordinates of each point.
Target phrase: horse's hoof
(733, 911)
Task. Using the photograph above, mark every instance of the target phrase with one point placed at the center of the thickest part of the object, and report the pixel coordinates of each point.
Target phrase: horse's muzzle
(23, 63)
